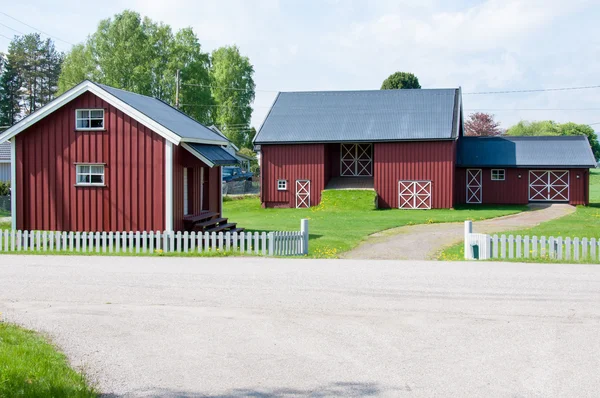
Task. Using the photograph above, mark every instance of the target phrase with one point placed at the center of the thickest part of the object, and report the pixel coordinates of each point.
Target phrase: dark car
(231, 173)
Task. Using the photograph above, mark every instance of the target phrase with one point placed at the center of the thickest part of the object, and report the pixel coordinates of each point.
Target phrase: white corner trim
(168, 186)
(13, 183)
(196, 154)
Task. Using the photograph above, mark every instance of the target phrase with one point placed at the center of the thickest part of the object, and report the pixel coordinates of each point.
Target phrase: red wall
(291, 162)
(515, 190)
(423, 160)
(133, 198)
(212, 186)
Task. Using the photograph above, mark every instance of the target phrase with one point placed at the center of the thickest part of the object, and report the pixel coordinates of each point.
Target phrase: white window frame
(89, 118)
(90, 184)
(497, 177)
(282, 185)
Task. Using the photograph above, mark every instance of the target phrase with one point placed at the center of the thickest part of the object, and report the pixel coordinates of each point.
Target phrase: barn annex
(408, 146)
(102, 159)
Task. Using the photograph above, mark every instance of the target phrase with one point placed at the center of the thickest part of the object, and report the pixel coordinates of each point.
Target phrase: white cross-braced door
(474, 188)
(549, 185)
(414, 194)
(302, 194)
(356, 160)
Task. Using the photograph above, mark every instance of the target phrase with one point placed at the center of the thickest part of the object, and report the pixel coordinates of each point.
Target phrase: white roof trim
(104, 95)
(196, 154)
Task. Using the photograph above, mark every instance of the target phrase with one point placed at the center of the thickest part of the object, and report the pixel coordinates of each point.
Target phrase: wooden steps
(201, 226)
(222, 227)
(209, 222)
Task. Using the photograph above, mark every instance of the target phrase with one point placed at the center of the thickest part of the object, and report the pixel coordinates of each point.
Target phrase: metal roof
(545, 151)
(5, 151)
(374, 115)
(212, 154)
(164, 114)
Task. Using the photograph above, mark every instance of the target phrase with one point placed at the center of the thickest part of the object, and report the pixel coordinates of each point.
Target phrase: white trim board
(86, 86)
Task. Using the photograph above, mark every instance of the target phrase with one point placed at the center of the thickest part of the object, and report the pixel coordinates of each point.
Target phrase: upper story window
(89, 119)
(498, 175)
(90, 174)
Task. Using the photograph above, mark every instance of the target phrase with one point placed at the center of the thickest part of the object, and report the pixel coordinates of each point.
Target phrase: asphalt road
(285, 328)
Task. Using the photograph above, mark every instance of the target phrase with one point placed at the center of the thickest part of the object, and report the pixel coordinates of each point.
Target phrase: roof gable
(163, 119)
(541, 151)
(374, 115)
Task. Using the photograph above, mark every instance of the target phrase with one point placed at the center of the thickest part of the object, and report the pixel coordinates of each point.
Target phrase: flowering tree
(481, 124)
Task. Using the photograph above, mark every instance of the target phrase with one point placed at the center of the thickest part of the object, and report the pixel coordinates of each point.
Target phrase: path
(275, 328)
(425, 241)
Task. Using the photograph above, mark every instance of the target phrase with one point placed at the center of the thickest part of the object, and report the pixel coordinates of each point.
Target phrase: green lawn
(31, 367)
(345, 218)
(4, 213)
(585, 222)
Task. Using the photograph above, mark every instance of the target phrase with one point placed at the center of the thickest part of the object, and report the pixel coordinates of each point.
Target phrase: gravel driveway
(426, 241)
(286, 328)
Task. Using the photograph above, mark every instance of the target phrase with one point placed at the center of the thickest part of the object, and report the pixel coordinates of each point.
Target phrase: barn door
(302, 194)
(356, 160)
(474, 191)
(549, 185)
(414, 194)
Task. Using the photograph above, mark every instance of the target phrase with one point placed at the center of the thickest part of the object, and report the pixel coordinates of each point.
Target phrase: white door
(549, 185)
(356, 160)
(414, 194)
(474, 188)
(302, 194)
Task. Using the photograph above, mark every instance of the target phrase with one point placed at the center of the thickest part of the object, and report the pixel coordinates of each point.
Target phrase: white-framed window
(282, 185)
(89, 119)
(90, 174)
(497, 174)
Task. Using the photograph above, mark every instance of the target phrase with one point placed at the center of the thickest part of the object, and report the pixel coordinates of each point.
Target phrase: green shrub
(4, 188)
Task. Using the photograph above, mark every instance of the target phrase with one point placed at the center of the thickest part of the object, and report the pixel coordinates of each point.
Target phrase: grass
(344, 218)
(31, 367)
(585, 222)
(4, 213)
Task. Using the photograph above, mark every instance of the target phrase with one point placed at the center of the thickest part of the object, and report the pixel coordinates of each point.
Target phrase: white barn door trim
(414, 194)
(474, 186)
(549, 185)
(302, 194)
(356, 160)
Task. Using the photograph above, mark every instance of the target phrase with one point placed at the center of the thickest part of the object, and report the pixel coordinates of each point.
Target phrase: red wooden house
(408, 146)
(103, 159)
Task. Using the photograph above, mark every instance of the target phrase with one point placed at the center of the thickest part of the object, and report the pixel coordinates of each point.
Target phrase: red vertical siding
(291, 163)
(515, 190)
(429, 161)
(133, 198)
(181, 159)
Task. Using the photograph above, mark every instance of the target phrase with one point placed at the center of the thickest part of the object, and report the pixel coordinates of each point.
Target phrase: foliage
(549, 127)
(248, 152)
(30, 77)
(4, 188)
(585, 222)
(31, 367)
(481, 124)
(143, 56)
(233, 92)
(344, 218)
(400, 80)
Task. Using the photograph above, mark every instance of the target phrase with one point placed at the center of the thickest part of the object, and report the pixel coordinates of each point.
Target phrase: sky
(303, 45)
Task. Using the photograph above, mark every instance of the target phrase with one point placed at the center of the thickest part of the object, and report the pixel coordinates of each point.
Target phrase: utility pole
(177, 90)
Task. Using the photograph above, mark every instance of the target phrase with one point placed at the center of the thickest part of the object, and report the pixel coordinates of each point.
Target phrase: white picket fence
(266, 243)
(529, 247)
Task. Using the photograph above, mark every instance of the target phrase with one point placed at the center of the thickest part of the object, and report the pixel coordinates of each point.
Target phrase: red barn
(103, 159)
(408, 146)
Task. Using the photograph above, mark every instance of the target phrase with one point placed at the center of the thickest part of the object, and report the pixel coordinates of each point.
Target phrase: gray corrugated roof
(375, 115)
(547, 151)
(213, 153)
(5, 151)
(164, 114)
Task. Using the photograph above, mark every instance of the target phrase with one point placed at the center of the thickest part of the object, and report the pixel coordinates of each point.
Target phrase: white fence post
(468, 231)
(304, 232)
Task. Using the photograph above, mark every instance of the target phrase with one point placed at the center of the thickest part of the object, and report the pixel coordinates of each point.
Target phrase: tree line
(139, 55)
